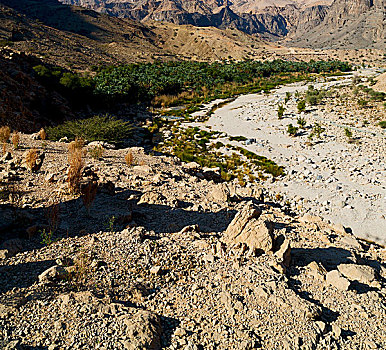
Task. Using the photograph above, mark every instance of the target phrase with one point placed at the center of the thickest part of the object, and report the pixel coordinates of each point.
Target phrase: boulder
(250, 229)
(53, 273)
(220, 193)
(283, 250)
(143, 331)
(361, 273)
(146, 169)
(152, 197)
(336, 279)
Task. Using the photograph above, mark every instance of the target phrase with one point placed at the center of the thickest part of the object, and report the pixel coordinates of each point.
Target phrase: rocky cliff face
(346, 23)
(306, 23)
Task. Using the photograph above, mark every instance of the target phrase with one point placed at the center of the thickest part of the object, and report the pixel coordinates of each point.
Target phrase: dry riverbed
(341, 181)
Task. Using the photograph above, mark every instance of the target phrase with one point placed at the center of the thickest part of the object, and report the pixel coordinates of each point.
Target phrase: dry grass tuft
(77, 144)
(76, 161)
(42, 134)
(129, 158)
(16, 140)
(31, 158)
(5, 133)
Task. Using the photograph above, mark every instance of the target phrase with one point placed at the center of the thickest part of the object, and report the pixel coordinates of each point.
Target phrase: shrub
(348, 133)
(292, 130)
(5, 133)
(362, 102)
(280, 111)
(301, 106)
(96, 152)
(301, 122)
(287, 97)
(78, 143)
(382, 124)
(97, 128)
(317, 130)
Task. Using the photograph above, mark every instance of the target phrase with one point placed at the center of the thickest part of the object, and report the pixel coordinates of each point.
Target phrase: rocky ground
(339, 178)
(167, 258)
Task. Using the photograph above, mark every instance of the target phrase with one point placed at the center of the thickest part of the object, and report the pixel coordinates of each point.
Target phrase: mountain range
(307, 23)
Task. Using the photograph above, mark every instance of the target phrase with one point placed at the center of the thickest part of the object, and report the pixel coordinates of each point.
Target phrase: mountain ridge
(313, 23)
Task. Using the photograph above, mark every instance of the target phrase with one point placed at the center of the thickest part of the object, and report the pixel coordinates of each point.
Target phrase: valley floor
(341, 181)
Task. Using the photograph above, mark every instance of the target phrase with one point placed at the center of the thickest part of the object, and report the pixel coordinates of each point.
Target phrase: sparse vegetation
(194, 145)
(76, 161)
(5, 133)
(31, 158)
(96, 152)
(129, 158)
(301, 122)
(301, 106)
(280, 111)
(292, 130)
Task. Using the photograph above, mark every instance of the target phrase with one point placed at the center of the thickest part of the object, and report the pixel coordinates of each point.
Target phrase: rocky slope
(317, 24)
(79, 38)
(25, 104)
(350, 24)
(167, 258)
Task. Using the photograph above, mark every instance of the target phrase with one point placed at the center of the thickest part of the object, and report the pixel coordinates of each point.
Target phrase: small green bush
(382, 124)
(287, 97)
(362, 102)
(317, 131)
(301, 122)
(97, 128)
(280, 111)
(292, 130)
(301, 106)
(348, 133)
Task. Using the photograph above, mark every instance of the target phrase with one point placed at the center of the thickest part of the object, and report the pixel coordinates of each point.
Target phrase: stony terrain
(167, 258)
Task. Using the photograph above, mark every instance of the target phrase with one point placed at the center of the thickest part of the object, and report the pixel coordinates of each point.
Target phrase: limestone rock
(336, 279)
(283, 250)
(53, 273)
(152, 197)
(143, 169)
(143, 331)
(360, 273)
(246, 228)
(220, 193)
